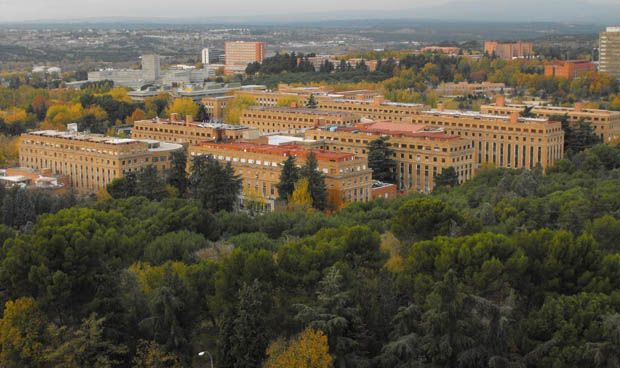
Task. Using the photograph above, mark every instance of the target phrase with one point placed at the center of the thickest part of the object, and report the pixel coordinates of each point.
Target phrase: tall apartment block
(205, 56)
(91, 161)
(606, 123)
(151, 67)
(421, 152)
(240, 53)
(609, 52)
(509, 50)
(347, 176)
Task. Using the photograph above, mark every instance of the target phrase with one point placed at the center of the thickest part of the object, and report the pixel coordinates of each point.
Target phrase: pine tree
(177, 176)
(311, 104)
(380, 161)
(335, 315)
(150, 184)
(250, 337)
(316, 181)
(202, 115)
(215, 186)
(447, 179)
(288, 178)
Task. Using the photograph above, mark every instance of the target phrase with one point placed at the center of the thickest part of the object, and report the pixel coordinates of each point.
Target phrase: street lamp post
(203, 353)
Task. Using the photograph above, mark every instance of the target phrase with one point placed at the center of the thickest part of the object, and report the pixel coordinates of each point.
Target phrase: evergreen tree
(202, 115)
(337, 317)
(124, 187)
(380, 161)
(316, 181)
(17, 208)
(343, 66)
(250, 336)
(177, 176)
(447, 179)
(288, 177)
(150, 184)
(312, 104)
(361, 65)
(215, 186)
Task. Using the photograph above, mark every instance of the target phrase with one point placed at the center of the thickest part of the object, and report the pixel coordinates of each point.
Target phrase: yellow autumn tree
(309, 349)
(120, 94)
(136, 115)
(287, 101)
(183, 107)
(301, 194)
(234, 108)
(14, 115)
(23, 334)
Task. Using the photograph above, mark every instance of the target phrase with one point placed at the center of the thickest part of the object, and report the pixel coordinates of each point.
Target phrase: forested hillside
(512, 269)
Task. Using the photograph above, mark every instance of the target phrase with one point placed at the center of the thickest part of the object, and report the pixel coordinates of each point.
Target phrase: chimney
(578, 106)
(500, 101)
(378, 100)
(441, 106)
(174, 117)
(514, 117)
(189, 120)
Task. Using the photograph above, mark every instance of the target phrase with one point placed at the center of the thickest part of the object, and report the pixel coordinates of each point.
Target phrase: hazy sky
(19, 10)
(70, 9)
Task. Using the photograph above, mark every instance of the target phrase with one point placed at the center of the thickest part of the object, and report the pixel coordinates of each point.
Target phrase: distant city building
(509, 50)
(609, 52)
(441, 50)
(151, 74)
(46, 70)
(467, 89)
(205, 56)
(151, 67)
(606, 123)
(91, 161)
(347, 176)
(569, 69)
(241, 53)
(420, 151)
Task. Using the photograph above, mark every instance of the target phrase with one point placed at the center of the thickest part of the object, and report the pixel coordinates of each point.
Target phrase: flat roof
(559, 108)
(283, 150)
(278, 140)
(195, 124)
(301, 110)
(479, 115)
(367, 101)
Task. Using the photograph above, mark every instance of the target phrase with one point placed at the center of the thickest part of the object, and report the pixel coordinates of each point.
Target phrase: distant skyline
(283, 10)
